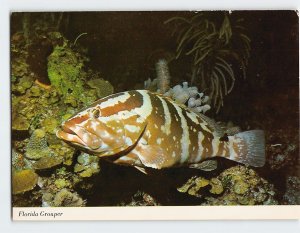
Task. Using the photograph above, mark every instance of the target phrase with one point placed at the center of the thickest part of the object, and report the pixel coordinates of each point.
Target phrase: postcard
(155, 115)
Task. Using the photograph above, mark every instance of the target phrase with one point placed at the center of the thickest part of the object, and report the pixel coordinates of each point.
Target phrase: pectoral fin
(152, 156)
(141, 169)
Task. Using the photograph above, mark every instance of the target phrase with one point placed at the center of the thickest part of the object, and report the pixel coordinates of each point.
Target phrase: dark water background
(124, 47)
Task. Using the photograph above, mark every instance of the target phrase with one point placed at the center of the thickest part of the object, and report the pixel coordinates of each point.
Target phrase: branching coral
(184, 94)
(163, 76)
(214, 48)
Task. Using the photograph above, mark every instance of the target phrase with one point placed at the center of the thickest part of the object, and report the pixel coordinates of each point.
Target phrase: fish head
(92, 132)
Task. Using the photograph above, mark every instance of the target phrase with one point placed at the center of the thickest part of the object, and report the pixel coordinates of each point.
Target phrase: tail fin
(249, 148)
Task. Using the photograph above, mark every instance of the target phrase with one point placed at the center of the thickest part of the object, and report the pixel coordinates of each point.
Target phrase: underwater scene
(155, 108)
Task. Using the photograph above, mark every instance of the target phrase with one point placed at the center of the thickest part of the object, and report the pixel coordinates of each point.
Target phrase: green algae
(23, 85)
(62, 183)
(64, 72)
(35, 91)
(49, 125)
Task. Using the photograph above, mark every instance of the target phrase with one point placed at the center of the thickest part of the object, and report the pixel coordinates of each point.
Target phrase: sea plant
(217, 46)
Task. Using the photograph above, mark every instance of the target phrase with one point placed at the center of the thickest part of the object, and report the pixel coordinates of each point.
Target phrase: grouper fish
(148, 130)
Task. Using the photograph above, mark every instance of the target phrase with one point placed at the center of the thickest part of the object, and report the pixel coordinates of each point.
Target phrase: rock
(240, 187)
(49, 125)
(87, 165)
(216, 186)
(47, 162)
(20, 123)
(193, 186)
(103, 87)
(24, 84)
(35, 91)
(64, 151)
(292, 194)
(63, 198)
(24, 180)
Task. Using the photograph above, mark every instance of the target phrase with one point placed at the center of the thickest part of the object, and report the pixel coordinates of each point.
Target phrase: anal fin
(207, 165)
(217, 129)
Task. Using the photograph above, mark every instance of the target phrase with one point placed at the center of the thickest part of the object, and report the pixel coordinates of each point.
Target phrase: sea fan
(215, 47)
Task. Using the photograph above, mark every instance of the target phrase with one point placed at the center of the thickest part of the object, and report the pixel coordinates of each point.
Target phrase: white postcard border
(156, 213)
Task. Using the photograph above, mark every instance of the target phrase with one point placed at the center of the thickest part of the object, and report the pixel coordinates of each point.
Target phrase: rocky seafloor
(50, 81)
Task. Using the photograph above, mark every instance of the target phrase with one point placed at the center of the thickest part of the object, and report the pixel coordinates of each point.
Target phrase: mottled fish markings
(145, 129)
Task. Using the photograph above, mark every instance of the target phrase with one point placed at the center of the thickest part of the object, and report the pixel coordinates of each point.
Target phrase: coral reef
(235, 186)
(58, 189)
(52, 78)
(50, 82)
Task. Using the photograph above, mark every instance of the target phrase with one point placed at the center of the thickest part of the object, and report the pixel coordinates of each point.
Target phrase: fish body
(144, 129)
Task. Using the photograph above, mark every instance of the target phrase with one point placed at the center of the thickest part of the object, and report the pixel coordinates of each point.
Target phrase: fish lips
(80, 136)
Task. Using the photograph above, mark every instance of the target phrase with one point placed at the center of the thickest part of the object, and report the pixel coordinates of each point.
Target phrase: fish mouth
(79, 136)
(70, 136)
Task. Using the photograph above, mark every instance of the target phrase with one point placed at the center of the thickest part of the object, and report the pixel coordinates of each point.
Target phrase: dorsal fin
(217, 129)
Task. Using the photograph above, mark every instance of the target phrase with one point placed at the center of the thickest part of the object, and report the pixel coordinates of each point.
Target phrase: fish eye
(96, 113)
